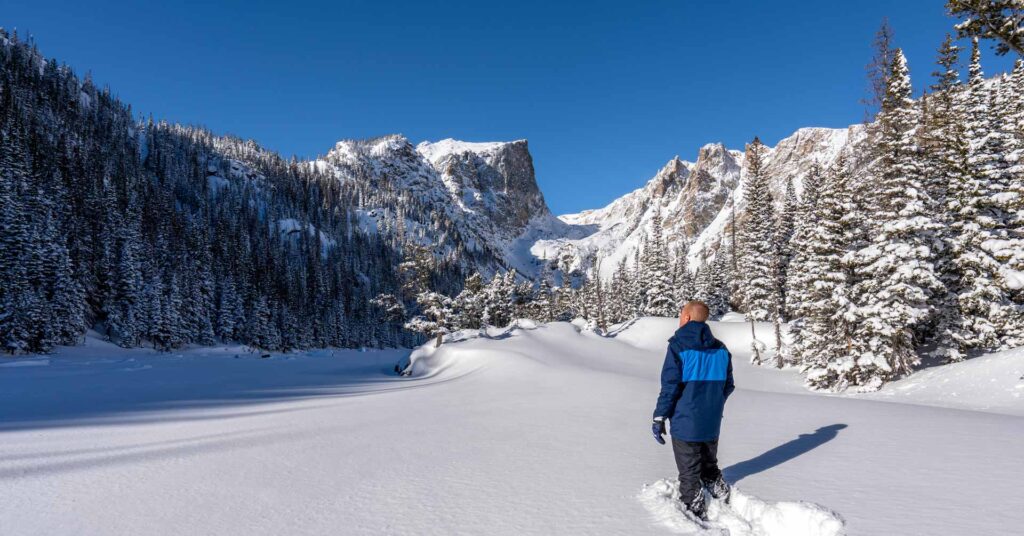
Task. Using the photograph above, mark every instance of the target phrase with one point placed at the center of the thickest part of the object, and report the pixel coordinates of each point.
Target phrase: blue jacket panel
(696, 379)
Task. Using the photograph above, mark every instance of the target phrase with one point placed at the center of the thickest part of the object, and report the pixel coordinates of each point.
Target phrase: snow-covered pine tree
(522, 299)
(660, 298)
(758, 262)
(121, 305)
(1005, 174)
(14, 241)
(897, 276)
(978, 221)
(682, 280)
(1016, 87)
(1014, 271)
(468, 306)
(757, 251)
(639, 281)
(802, 240)
(712, 284)
(436, 313)
(415, 268)
(498, 298)
(619, 304)
(542, 306)
(785, 228)
(721, 285)
(1002, 20)
(826, 347)
(67, 300)
(262, 331)
(798, 280)
(944, 145)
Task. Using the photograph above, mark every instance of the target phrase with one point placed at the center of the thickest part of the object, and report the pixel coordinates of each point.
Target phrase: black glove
(658, 428)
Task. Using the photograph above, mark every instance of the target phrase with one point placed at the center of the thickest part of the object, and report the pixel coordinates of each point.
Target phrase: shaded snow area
(540, 429)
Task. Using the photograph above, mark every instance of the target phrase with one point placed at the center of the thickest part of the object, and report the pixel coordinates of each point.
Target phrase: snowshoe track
(745, 515)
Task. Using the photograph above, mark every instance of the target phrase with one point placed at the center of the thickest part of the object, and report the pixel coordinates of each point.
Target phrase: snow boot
(696, 506)
(718, 488)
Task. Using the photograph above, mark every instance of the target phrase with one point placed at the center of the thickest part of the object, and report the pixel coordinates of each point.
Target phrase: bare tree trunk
(753, 345)
(778, 343)
(439, 339)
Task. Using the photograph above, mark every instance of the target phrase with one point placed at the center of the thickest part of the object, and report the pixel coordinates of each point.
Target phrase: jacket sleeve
(730, 385)
(671, 387)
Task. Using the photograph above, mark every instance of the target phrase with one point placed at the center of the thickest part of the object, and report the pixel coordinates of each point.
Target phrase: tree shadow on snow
(782, 453)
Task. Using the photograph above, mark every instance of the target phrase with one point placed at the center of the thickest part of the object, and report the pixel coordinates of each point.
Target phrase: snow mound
(991, 382)
(745, 515)
(429, 360)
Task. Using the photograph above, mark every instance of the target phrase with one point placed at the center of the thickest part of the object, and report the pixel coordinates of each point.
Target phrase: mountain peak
(438, 150)
(673, 174)
(350, 150)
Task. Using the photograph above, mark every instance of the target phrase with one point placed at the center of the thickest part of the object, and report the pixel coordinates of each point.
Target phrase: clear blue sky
(606, 92)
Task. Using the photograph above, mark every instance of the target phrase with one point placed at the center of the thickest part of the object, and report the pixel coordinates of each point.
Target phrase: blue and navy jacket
(695, 381)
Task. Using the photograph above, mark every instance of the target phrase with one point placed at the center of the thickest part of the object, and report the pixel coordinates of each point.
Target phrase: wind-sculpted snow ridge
(453, 359)
(745, 515)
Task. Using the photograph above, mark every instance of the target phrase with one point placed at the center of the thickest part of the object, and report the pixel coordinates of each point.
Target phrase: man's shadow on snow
(782, 453)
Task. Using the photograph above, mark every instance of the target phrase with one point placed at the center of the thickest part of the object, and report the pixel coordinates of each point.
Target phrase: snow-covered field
(539, 430)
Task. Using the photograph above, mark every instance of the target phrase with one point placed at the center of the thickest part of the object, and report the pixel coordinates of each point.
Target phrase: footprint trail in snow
(745, 515)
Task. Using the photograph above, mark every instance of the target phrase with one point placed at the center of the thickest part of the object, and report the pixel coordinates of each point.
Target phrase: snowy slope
(540, 430)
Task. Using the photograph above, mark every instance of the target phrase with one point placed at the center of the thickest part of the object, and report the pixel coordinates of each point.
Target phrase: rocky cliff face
(483, 196)
(494, 181)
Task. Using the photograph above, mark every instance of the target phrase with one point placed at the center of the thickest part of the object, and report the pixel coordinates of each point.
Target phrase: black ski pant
(697, 462)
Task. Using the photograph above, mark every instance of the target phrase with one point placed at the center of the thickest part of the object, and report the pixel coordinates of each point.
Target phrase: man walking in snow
(695, 382)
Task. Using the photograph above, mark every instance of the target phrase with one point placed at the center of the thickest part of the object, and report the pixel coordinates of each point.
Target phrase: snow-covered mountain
(486, 195)
(695, 200)
(483, 195)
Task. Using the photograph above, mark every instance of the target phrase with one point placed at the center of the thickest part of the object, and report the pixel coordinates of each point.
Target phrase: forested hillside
(161, 234)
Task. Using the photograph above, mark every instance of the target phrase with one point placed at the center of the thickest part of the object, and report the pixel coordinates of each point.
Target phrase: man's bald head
(695, 310)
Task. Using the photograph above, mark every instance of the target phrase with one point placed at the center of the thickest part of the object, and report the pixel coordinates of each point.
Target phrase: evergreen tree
(827, 348)
(435, 317)
(798, 277)
(660, 295)
(712, 284)
(944, 144)
(878, 70)
(785, 228)
(758, 285)
(897, 269)
(758, 262)
(1002, 20)
(978, 221)
(682, 281)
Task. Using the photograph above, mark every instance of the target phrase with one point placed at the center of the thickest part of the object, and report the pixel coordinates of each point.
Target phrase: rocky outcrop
(493, 180)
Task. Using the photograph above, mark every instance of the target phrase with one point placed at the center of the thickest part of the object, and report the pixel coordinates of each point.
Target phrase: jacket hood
(695, 335)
